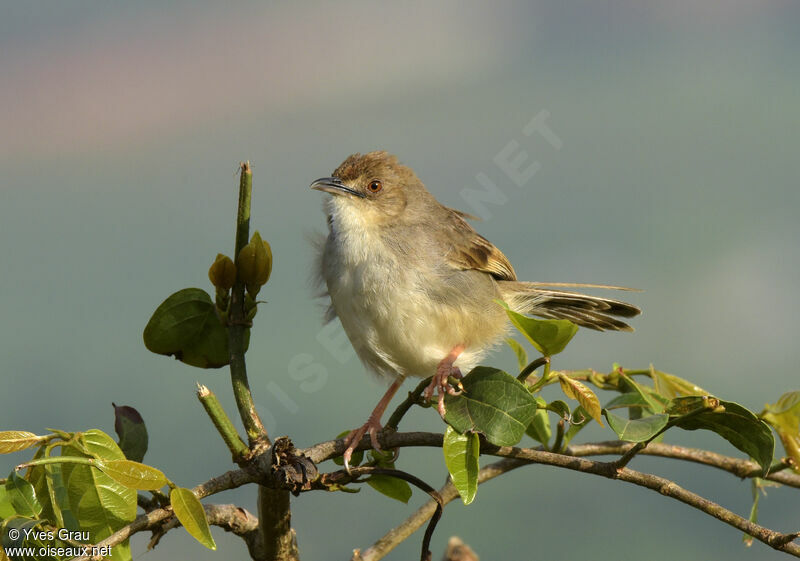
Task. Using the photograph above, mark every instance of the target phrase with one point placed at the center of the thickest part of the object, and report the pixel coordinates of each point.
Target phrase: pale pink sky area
(130, 79)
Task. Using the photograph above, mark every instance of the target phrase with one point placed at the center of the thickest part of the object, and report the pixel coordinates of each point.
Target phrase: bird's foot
(440, 383)
(372, 427)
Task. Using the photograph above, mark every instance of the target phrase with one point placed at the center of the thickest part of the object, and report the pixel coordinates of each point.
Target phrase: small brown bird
(415, 286)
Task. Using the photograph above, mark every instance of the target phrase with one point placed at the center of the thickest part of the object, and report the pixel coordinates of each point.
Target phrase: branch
(230, 518)
(738, 467)
(223, 423)
(572, 459)
(237, 320)
(776, 540)
(277, 536)
(744, 469)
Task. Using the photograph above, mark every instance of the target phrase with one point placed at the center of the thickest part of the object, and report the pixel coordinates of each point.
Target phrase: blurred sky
(670, 164)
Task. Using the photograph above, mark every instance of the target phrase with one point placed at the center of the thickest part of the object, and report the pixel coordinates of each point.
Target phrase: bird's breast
(399, 312)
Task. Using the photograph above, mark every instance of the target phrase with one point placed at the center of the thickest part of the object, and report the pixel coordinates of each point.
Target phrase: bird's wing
(466, 249)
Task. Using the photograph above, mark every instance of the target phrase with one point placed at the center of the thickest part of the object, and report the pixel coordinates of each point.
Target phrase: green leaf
(50, 490)
(132, 432)
(652, 405)
(392, 487)
(788, 405)
(21, 525)
(133, 474)
(735, 424)
(6, 508)
(560, 408)
(190, 513)
(549, 336)
(539, 429)
(574, 389)
(636, 430)
(461, 452)
(494, 403)
(784, 417)
(671, 386)
(519, 352)
(16, 440)
(187, 326)
(627, 400)
(22, 496)
(100, 505)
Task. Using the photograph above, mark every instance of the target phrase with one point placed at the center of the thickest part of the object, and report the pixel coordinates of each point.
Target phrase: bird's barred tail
(593, 312)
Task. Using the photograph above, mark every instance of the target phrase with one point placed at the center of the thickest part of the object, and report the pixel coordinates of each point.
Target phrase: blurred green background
(675, 170)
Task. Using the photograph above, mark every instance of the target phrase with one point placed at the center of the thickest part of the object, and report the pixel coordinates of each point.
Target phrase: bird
(416, 288)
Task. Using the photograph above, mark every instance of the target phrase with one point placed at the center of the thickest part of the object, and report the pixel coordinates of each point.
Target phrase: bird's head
(373, 188)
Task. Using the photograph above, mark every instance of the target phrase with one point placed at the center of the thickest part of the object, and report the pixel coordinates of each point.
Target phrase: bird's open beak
(334, 186)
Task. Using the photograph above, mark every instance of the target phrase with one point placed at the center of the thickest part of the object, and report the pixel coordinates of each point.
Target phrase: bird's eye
(374, 186)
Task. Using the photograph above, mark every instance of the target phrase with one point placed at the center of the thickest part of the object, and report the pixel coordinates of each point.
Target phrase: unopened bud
(255, 264)
(222, 272)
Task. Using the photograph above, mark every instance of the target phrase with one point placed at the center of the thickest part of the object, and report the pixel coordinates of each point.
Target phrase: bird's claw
(440, 384)
(352, 440)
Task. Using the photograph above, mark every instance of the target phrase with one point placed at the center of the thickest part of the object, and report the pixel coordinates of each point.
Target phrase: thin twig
(448, 493)
(528, 370)
(222, 423)
(436, 499)
(406, 404)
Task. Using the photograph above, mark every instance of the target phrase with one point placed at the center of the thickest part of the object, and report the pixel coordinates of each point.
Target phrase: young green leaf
(560, 408)
(574, 389)
(784, 417)
(539, 429)
(189, 511)
(636, 430)
(186, 325)
(671, 386)
(519, 352)
(494, 403)
(16, 440)
(652, 405)
(393, 487)
(133, 474)
(461, 452)
(627, 400)
(549, 336)
(131, 431)
(99, 504)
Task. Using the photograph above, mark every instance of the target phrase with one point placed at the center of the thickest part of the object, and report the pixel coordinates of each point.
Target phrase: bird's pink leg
(443, 372)
(372, 426)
